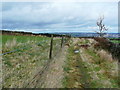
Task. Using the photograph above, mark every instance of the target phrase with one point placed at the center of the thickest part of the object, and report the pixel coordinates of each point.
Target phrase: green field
(22, 39)
(115, 41)
(12, 42)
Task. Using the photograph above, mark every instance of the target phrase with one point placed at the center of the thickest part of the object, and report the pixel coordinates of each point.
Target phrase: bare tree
(101, 26)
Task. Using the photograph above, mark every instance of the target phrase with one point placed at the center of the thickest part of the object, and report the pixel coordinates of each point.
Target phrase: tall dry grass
(20, 67)
(10, 44)
(105, 55)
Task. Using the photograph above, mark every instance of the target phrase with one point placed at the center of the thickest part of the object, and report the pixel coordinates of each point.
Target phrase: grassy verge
(87, 69)
(102, 70)
(70, 79)
(75, 72)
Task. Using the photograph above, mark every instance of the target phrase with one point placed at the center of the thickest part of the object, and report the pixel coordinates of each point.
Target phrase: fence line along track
(43, 68)
(23, 48)
(40, 73)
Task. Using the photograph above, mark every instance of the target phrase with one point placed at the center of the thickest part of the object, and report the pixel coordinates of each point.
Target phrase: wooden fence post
(62, 41)
(51, 47)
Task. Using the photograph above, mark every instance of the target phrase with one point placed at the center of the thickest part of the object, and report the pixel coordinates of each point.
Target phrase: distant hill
(72, 34)
(83, 34)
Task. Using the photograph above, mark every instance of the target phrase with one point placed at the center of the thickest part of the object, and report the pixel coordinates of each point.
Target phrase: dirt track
(52, 77)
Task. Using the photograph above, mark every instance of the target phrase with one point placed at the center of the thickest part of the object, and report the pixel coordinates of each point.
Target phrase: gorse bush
(111, 47)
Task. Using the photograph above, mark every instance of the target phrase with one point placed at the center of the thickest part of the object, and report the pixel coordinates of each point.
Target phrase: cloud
(60, 0)
(57, 16)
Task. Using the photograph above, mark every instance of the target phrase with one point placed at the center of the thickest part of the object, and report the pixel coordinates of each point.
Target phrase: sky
(39, 17)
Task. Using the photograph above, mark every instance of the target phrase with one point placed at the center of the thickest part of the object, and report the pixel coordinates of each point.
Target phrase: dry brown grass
(105, 55)
(20, 67)
(11, 44)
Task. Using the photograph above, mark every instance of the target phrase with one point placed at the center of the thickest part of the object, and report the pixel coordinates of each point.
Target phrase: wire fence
(19, 49)
(24, 68)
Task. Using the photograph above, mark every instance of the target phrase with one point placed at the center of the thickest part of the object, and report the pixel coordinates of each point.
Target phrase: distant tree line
(6, 32)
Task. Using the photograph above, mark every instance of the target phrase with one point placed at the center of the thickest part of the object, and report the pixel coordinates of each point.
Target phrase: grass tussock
(105, 55)
(10, 44)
